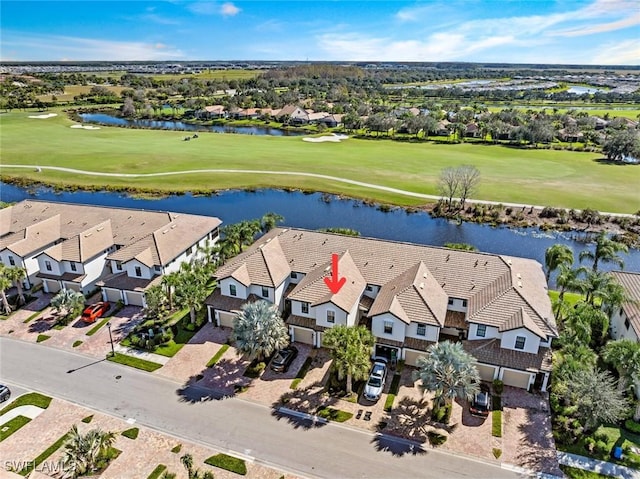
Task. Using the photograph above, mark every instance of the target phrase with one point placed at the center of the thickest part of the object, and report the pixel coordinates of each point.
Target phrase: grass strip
(131, 433)
(393, 391)
(302, 373)
(97, 327)
(44, 455)
(496, 423)
(77, 343)
(575, 473)
(157, 472)
(87, 419)
(228, 463)
(137, 363)
(332, 414)
(32, 317)
(12, 426)
(216, 357)
(42, 337)
(176, 449)
(29, 399)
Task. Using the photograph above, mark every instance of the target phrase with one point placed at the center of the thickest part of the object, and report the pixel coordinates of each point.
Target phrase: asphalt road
(231, 425)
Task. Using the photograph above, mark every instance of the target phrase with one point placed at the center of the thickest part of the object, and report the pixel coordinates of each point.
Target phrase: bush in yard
(498, 387)
(436, 439)
(632, 426)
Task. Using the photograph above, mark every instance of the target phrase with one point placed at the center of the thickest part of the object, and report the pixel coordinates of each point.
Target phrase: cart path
(286, 173)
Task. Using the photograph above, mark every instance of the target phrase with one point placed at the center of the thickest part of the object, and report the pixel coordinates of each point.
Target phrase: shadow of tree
(193, 394)
(397, 446)
(536, 447)
(305, 401)
(41, 325)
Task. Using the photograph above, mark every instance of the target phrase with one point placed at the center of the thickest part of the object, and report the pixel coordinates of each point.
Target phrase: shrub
(497, 452)
(436, 439)
(498, 387)
(255, 370)
(229, 463)
(333, 414)
(176, 449)
(442, 414)
(590, 444)
(549, 212)
(77, 343)
(632, 426)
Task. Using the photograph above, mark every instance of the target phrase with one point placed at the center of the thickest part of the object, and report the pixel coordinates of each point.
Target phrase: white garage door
(226, 319)
(51, 286)
(301, 335)
(486, 372)
(516, 379)
(411, 357)
(113, 295)
(134, 299)
(72, 286)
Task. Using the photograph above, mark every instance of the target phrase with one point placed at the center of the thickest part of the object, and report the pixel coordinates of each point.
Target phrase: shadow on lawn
(396, 446)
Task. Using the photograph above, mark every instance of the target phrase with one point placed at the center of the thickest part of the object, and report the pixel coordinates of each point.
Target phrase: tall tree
(192, 287)
(449, 371)
(624, 355)
(469, 181)
(555, 256)
(270, 220)
(351, 351)
(258, 330)
(448, 184)
(170, 282)
(567, 279)
(5, 283)
(607, 250)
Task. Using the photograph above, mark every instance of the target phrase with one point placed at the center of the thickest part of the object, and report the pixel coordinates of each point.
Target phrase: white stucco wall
(147, 273)
(320, 313)
(377, 327)
(56, 268)
(431, 333)
(352, 317)
(279, 293)
(297, 279)
(241, 290)
(374, 291)
(618, 329)
(491, 332)
(93, 269)
(296, 308)
(257, 290)
(531, 345)
(457, 305)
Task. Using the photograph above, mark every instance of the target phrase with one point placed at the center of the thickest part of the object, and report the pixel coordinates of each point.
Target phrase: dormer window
(294, 275)
(520, 341)
(232, 290)
(138, 271)
(265, 292)
(47, 265)
(369, 287)
(73, 266)
(481, 330)
(119, 265)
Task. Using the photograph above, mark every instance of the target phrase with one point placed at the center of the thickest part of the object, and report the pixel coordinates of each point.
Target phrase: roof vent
(165, 232)
(425, 275)
(100, 229)
(88, 234)
(421, 285)
(448, 257)
(476, 264)
(173, 226)
(509, 261)
(519, 284)
(519, 276)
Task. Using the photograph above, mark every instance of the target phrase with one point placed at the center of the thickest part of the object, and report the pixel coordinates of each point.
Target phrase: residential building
(409, 295)
(80, 247)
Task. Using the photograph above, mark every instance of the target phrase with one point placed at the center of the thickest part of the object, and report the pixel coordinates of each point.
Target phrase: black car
(5, 393)
(284, 358)
(481, 404)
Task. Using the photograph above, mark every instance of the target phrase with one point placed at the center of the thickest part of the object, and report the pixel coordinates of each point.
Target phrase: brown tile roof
(72, 277)
(417, 344)
(489, 282)
(631, 284)
(309, 323)
(389, 342)
(24, 237)
(264, 264)
(455, 319)
(312, 289)
(227, 303)
(127, 283)
(488, 351)
(366, 302)
(84, 246)
(520, 319)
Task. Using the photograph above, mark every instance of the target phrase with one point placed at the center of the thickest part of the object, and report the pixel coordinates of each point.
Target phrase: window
(294, 275)
(388, 327)
(12, 261)
(47, 264)
(73, 266)
(138, 271)
(331, 316)
(520, 340)
(189, 250)
(369, 287)
(158, 269)
(450, 301)
(422, 330)
(481, 330)
(265, 292)
(464, 303)
(626, 323)
(232, 290)
(119, 265)
(305, 308)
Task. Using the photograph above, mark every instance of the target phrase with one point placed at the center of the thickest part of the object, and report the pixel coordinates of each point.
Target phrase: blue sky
(515, 31)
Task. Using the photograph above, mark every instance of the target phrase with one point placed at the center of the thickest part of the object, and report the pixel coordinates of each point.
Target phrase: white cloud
(270, 26)
(159, 19)
(203, 8)
(47, 47)
(619, 53)
(229, 9)
(599, 27)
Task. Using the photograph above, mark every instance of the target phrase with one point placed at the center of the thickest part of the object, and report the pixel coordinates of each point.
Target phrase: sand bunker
(321, 139)
(42, 117)
(86, 127)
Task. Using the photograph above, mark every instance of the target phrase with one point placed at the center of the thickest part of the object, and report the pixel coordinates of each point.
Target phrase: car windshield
(482, 399)
(375, 382)
(280, 357)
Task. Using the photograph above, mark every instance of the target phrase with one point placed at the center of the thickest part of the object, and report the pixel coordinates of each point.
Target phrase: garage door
(134, 299)
(303, 336)
(226, 319)
(411, 357)
(516, 379)
(486, 372)
(51, 286)
(113, 295)
(72, 286)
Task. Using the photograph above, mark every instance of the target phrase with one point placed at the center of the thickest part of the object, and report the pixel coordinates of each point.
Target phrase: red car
(93, 312)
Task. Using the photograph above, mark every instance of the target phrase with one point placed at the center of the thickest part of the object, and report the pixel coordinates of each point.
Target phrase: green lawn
(172, 347)
(332, 414)
(134, 362)
(29, 399)
(615, 436)
(13, 425)
(44, 455)
(570, 298)
(575, 473)
(229, 463)
(216, 357)
(543, 177)
(97, 327)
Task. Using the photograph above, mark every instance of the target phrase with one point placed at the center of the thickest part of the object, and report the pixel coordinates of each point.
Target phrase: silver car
(375, 384)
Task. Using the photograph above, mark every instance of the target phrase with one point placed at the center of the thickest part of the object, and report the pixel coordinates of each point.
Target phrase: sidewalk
(593, 465)
(156, 358)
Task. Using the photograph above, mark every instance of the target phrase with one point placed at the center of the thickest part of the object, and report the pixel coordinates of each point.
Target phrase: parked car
(5, 393)
(375, 384)
(284, 358)
(481, 404)
(95, 311)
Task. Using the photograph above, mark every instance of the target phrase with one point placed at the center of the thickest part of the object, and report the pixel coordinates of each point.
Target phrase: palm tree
(192, 287)
(67, 300)
(556, 256)
(624, 355)
(170, 282)
(187, 462)
(613, 295)
(606, 251)
(567, 279)
(449, 371)
(82, 453)
(5, 283)
(16, 274)
(351, 352)
(595, 285)
(270, 220)
(258, 330)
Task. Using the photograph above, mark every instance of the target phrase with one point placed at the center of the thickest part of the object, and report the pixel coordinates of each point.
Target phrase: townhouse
(80, 247)
(410, 296)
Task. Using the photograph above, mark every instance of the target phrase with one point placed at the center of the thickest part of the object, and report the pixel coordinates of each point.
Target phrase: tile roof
(520, 319)
(127, 283)
(227, 303)
(488, 351)
(631, 284)
(494, 286)
(32, 225)
(309, 323)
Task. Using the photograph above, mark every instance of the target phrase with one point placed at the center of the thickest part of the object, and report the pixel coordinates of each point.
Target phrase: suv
(95, 311)
(481, 404)
(5, 393)
(375, 384)
(284, 358)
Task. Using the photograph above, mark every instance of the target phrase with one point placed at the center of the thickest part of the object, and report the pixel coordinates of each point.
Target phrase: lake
(105, 119)
(313, 211)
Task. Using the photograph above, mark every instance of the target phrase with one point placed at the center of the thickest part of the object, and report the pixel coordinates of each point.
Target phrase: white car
(375, 384)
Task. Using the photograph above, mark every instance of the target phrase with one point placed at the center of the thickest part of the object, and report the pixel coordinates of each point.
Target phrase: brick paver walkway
(124, 321)
(15, 325)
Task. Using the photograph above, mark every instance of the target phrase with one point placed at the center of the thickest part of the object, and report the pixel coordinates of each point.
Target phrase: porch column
(545, 382)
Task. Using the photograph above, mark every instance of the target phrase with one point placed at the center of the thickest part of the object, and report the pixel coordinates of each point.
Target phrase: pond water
(313, 211)
(106, 119)
(580, 90)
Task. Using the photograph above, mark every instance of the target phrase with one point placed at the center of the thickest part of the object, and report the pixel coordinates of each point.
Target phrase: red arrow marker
(334, 282)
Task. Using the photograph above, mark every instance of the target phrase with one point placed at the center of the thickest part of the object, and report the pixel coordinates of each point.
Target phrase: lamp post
(113, 352)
